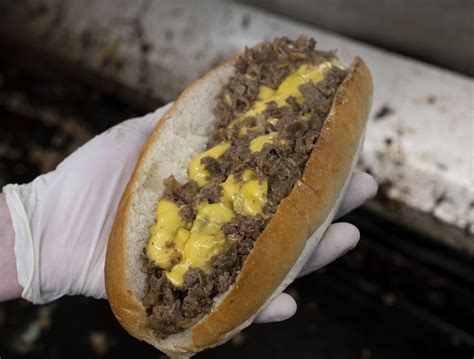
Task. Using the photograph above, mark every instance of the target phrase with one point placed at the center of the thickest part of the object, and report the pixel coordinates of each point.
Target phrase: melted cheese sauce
(175, 245)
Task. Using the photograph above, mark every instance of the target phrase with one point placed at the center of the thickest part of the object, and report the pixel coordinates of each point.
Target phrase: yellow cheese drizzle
(175, 245)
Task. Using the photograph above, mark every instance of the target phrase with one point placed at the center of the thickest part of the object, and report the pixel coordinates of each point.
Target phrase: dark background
(397, 295)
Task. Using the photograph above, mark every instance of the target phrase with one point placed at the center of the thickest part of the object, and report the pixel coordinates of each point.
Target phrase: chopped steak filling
(281, 163)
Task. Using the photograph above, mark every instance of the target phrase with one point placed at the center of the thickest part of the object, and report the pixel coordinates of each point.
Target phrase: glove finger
(143, 126)
(282, 307)
(361, 188)
(148, 123)
(338, 239)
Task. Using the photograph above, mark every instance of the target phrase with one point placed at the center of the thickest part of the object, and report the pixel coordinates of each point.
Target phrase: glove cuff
(24, 247)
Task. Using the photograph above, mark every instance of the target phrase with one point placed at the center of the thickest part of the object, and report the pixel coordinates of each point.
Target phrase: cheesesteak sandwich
(233, 191)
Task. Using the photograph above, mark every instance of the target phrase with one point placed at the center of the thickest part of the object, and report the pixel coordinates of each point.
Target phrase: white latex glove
(62, 219)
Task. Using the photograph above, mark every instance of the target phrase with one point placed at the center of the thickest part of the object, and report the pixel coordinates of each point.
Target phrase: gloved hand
(62, 219)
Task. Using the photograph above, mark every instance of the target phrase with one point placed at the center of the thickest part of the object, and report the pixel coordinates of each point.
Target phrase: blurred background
(70, 70)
